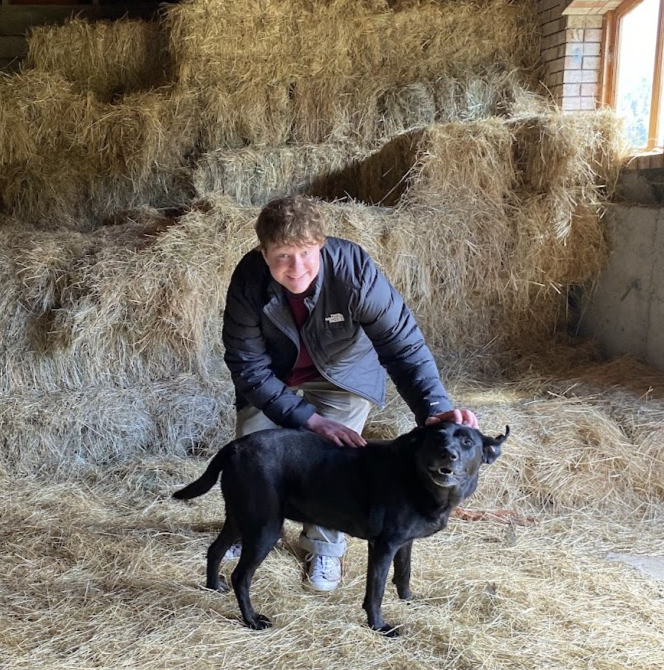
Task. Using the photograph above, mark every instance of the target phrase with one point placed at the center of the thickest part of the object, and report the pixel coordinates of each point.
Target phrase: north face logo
(335, 318)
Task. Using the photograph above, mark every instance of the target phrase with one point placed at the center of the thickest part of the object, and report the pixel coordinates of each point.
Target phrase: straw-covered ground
(103, 570)
(114, 395)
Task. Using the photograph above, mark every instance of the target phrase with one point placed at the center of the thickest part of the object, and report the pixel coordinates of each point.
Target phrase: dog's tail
(207, 480)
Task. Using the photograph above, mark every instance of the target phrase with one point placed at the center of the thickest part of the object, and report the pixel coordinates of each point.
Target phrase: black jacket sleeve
(249, 361)
(399, 343)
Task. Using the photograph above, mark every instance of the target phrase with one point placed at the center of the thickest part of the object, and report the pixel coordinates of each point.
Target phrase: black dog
(388, 492)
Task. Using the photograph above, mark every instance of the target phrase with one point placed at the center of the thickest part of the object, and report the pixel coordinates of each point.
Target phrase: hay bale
(426, 39)
(127, 303)
(105, 424)
(254, 176)
(336, 95)
(569, 159)
(472, 96)
(488, 92)
(249, 114)
(404, 107)
(107, 58)
(81, 197)
(237, 58)
(68, 158)
(318, 72)
(143, 131)
(479, 242)
(457, 195)
(41, 115)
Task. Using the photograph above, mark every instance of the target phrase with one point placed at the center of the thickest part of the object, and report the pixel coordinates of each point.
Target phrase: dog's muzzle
(444, 477)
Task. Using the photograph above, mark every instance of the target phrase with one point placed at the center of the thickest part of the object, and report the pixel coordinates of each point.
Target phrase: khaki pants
(331, 402)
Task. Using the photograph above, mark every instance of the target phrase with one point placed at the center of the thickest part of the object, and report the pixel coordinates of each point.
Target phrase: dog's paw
(219, 587)
(387, 630)
(406, 594)
(259, 622)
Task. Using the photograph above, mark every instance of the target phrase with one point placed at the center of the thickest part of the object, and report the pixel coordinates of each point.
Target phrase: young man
(310, 327)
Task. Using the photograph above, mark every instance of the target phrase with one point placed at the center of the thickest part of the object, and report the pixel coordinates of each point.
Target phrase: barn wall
(626, 313)
(571, 52)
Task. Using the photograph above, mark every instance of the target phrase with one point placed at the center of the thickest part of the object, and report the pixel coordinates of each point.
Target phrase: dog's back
(304, 477)
(310, 478)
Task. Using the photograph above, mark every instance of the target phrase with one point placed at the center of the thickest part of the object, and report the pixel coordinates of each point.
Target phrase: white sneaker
(324, 572)
(233, 552)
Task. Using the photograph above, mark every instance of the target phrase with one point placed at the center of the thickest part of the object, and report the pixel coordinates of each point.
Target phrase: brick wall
(571, 50)
(581, 74)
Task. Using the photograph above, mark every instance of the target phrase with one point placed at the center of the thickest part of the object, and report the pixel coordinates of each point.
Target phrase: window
(633, 70)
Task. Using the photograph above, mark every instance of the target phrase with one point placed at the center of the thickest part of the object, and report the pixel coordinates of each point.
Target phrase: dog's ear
(491, 449)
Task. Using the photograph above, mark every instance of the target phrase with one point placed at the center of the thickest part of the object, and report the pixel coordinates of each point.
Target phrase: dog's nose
(452, 454)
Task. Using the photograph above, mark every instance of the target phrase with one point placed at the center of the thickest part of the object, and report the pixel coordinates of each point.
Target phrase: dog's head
(450, 454)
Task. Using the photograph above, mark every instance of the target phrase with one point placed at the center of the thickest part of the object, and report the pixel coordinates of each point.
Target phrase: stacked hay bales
(120, 297)
(316, 72)
(68, 158)
(265, 75)
(106, 58)
(120, 328)
(493, 235)
(420, 117)
(129, 313)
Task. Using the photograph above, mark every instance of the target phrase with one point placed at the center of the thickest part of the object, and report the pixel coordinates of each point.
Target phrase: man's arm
(250, 363)
(400, 345)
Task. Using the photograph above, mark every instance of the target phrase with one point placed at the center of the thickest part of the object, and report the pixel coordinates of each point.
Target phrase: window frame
(610, 47)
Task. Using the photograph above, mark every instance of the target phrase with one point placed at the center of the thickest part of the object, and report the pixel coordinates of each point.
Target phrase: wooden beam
(656, 100)
(608, 71)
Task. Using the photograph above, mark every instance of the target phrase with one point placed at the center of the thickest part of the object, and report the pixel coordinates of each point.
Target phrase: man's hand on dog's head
(462, 416)
(333, 430)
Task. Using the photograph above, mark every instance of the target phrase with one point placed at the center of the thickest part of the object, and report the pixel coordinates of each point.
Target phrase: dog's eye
(467, 442)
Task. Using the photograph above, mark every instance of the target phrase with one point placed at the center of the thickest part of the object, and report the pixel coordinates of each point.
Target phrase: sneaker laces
(233, 552)
(325, 567)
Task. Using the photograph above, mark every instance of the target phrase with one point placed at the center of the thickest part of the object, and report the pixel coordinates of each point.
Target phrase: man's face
(294, 267)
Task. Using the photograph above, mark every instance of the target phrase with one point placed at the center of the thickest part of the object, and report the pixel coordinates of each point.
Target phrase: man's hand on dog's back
(333, 430)
(463, 416)
(342, 435)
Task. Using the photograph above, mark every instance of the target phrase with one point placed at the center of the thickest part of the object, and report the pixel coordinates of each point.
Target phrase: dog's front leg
(402, 571)
(380, 557)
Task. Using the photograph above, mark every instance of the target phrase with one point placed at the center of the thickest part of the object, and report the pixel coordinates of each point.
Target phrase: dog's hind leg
(401, 576)
(228, 536)
(380, 557)
(255, 547)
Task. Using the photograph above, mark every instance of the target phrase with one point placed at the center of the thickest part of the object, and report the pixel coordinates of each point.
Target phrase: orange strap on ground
(495, 515)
